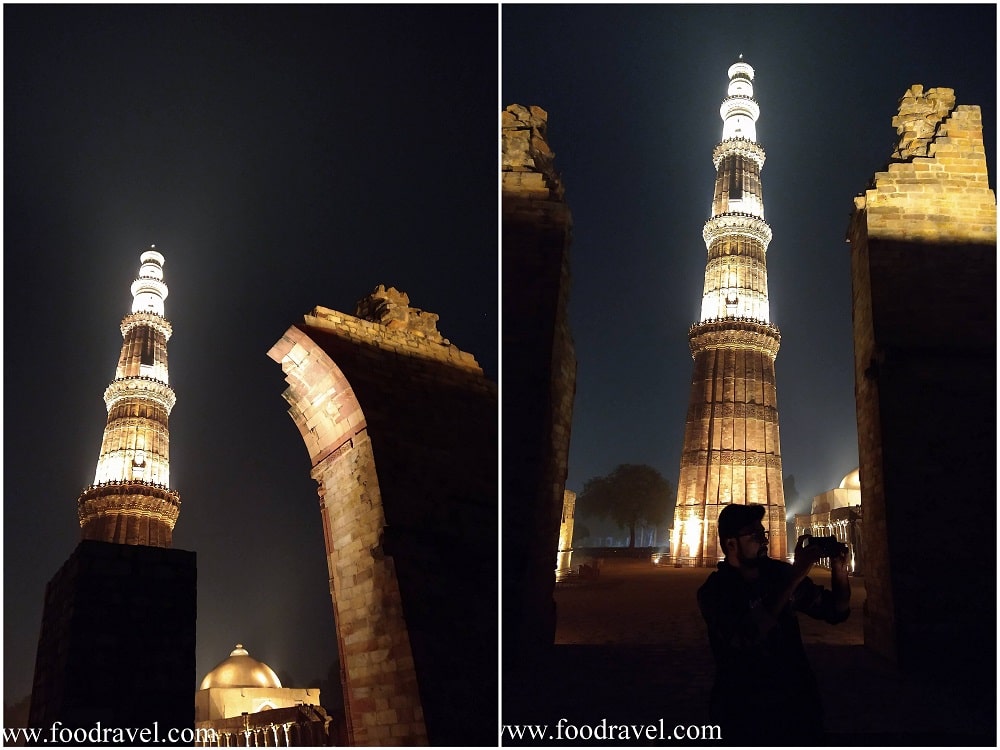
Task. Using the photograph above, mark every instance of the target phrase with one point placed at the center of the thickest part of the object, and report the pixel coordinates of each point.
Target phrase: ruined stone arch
(363, 583)
(401, 431)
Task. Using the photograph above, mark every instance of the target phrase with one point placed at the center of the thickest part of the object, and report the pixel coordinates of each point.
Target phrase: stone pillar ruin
(539, 380)
(923, 266)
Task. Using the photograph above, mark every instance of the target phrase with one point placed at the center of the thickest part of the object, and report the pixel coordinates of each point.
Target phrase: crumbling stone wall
(919, 119)
(936, 187)
(528, 162)
(923, 265)
(401, 428)
(391, 308)
(539, 377)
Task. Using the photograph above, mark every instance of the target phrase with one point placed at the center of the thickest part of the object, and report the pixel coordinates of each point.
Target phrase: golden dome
(240, 670)
(852, 481)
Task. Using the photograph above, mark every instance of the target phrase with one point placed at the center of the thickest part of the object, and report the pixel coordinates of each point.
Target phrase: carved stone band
(140, 387)
(741, 146)
(736, 223)
(734, 333)
(730, 457)
(152, 320)
(135, 498)
(731, 410)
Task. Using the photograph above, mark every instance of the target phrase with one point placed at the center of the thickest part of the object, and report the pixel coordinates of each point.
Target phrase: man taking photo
(765, 691)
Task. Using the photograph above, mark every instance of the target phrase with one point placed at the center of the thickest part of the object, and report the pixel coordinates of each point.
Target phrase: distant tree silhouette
(631, 494)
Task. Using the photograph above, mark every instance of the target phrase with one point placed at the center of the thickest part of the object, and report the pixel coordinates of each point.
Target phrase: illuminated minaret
(731, 451)
(131, 501)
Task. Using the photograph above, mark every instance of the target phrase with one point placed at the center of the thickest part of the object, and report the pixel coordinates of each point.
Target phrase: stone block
(118, 639)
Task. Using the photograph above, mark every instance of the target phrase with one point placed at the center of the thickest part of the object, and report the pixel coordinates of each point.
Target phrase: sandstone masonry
(401, 429)
(936, 187)
(923, 265)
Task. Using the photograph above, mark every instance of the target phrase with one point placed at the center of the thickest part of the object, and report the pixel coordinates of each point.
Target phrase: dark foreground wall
(118, 640)
(539, 383)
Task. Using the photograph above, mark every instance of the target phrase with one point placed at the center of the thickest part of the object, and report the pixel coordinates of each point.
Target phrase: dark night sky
(633, 96)
(280, 158)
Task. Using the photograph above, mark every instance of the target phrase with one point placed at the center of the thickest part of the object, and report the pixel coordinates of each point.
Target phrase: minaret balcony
(740, 147)
(740, 105)
(140, 387)
(131, 484)
(729, 224)
(734, 333)
(129, 498)
(153, 257)
(151, 319)
(149, 285)
(740, 69)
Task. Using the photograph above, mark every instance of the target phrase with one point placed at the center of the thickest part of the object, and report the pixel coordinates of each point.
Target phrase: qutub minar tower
(731, 451)
(124, 606)
(131, 501)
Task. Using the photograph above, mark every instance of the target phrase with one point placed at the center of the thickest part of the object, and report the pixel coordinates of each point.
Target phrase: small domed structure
(243, 695)
(852, 481)
(241, 670)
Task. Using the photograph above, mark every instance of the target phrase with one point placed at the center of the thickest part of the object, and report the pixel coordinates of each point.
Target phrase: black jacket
(764, 688)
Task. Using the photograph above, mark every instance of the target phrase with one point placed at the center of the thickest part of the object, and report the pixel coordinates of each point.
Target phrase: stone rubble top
(391, 308)
(526, 153)
(920, 116)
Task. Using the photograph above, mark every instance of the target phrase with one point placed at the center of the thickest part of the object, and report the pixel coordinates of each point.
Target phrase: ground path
(632, 648)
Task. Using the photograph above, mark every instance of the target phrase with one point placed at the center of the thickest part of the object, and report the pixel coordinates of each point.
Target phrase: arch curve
(401, 427)
(363, 583)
